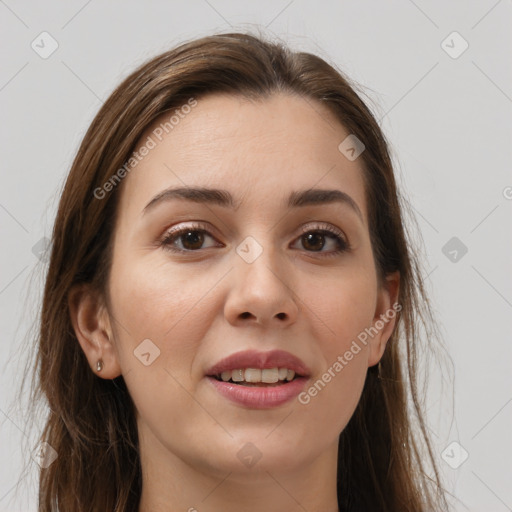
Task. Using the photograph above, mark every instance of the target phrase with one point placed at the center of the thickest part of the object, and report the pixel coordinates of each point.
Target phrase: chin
(258, 451)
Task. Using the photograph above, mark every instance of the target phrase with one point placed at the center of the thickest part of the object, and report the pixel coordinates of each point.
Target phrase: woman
(231, 313)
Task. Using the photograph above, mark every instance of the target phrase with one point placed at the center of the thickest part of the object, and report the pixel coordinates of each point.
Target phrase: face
(193, 282)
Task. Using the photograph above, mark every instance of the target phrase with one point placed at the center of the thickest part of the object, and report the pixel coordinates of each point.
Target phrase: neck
(171, 484)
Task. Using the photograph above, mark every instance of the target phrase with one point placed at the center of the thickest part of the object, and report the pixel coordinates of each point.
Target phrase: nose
(260, 292)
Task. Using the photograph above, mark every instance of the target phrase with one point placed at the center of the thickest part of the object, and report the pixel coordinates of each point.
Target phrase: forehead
(259, 151)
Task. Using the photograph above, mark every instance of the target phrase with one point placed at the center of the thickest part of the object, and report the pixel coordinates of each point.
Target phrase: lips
(260, 360)
(255, 365)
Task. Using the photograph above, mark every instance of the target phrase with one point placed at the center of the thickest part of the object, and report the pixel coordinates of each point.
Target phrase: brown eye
(187, 239)
(192, 240)
(313, 241)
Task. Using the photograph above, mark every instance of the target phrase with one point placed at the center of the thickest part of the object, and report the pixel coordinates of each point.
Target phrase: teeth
(270, 375)
(255, 375)
(237, 375)
(252, 375)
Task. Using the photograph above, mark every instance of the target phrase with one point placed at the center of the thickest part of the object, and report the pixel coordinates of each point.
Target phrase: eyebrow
(225, 199)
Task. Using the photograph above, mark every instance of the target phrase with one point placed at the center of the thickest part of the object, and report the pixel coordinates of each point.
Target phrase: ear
(91, 323)
(385, 317)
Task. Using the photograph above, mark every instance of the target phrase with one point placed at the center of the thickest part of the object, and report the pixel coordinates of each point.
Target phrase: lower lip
(259, 397)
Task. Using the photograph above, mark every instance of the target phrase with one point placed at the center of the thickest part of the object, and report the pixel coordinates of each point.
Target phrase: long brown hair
(385, 461)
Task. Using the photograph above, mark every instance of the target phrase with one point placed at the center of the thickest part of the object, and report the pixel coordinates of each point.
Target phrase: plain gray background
(445, 108)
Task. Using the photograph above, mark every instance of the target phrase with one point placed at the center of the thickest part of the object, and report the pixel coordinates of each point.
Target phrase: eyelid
(312, 226)
(322, 226)
(176, 231)
(193, 226)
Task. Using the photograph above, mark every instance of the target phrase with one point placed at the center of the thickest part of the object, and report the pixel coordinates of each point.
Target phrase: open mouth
(257, 380)
(255, 377)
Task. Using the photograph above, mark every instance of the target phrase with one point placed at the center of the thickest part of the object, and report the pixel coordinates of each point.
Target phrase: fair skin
(208, 303)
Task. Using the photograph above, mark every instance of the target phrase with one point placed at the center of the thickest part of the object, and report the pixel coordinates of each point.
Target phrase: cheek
(169, 308)
(162, 304)
(331, 399)
(344, 306)
(342, 309)
(157, 298)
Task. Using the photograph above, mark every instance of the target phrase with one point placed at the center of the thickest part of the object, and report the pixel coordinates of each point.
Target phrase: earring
(99, 365)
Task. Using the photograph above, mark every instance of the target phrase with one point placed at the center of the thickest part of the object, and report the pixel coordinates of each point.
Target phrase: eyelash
(324, 229)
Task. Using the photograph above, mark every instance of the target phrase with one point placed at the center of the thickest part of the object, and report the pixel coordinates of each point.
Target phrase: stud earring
(99, 365)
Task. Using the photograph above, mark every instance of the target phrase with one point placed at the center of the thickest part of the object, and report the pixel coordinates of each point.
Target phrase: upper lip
(261, 360)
